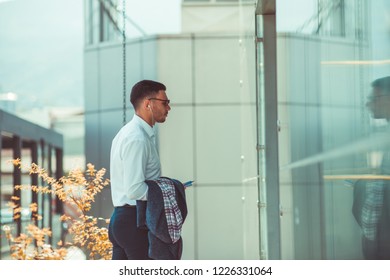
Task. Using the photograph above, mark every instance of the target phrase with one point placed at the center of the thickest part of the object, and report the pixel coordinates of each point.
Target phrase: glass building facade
(274, 111)
(332, 148)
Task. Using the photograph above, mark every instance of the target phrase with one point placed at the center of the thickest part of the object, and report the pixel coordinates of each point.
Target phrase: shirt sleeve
(134, 157)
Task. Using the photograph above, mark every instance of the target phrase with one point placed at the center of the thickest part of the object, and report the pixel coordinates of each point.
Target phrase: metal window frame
(18, 134)
(266, 13)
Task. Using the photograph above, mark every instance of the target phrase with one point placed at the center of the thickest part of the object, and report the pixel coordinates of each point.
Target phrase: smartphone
(188, 184)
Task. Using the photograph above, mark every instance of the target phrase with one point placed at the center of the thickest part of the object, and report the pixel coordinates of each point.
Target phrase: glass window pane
(333, 153)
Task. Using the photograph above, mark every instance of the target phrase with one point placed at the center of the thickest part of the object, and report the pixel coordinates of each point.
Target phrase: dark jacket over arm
(152, 215)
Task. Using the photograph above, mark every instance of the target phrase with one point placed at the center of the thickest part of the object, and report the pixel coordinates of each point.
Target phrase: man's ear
(146, 104)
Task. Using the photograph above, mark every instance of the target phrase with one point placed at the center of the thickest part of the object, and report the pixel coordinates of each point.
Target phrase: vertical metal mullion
(343, 19)
(17, 178)
(101, 21)
(49, 195)
(34, 180)
(271, 135)
(42, 206)
(59, 174)
(260, 145)
(266, 10)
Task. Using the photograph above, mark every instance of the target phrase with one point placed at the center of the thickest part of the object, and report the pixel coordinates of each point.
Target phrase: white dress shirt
(133, 159)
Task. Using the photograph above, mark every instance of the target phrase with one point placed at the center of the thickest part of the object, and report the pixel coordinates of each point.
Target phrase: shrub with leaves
(78, 190)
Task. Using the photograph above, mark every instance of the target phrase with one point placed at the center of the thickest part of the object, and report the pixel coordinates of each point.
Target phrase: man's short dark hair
(383, 84)
(144, 89)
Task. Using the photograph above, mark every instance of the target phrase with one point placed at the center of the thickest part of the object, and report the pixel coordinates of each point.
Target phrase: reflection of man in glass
(379, 100)
(372, 197)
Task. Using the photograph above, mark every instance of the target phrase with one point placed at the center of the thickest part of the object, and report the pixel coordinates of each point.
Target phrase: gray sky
(42, 41)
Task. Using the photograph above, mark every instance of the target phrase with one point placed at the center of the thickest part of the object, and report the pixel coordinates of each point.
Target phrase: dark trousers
(373, 250)
(378, 249)
(129, 242)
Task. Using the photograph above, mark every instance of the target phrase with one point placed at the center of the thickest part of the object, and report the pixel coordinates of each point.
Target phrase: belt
(126, 206)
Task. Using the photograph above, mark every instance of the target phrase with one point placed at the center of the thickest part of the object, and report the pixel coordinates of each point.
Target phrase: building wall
(216, 17)
(321, 109)
(209, 135)
(323, 81)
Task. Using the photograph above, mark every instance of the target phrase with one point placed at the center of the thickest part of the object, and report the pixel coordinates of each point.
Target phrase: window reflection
(371, 202)
(334, 128)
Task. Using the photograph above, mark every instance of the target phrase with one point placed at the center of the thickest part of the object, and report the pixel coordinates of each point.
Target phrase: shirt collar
(148, 129)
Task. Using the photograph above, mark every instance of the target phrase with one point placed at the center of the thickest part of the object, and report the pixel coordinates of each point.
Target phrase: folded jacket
(163, 215)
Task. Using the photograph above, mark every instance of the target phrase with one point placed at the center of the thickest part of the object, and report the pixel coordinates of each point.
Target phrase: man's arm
(134, 160)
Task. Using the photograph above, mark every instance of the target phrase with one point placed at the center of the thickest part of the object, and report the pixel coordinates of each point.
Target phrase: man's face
(159, 106)
(379, 104)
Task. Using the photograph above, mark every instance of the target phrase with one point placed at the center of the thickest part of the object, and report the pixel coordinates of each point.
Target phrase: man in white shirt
(134, 158)
(371, 197)
(375, 209)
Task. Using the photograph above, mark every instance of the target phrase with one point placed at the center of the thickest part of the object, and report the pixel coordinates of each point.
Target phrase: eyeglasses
(164, 101)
